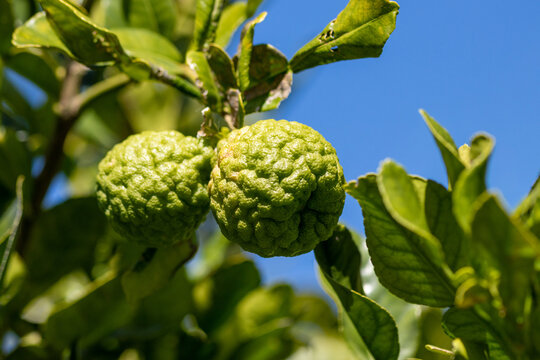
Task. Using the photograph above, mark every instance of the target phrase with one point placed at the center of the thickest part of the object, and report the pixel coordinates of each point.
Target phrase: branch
(178, 82)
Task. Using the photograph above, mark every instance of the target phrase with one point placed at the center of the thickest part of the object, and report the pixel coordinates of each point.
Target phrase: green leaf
(6, 25)
(37, 32)
(100, 310)
(252, 6)
(14, 157)
(149, 276)
(372, 323)
(467, 325)
(444, 226)
(222, 66)
(402, 259)
(109, 13)
(206, 21)
(503, 246)
(529, 209)
(246, 49)
(359, 31)
(270, 79)
(471, 182)
(156, 15)
(152, 48)
(339, 257)
(447, 147)
(198, 63)
(232, 17)
(62, 240)
(217, 296)
(36, 69)
(9, 227)
(91, 44)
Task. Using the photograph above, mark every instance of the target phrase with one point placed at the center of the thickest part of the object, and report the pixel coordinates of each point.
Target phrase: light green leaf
(152, 48)
(359, 31)
(245, 52)
(37, 32)
(252, 6)
(372, 323)
(9, 227)
(100, 310)
(149, 276)
(109, 13)
(198, 63)
(471, 182)
(155, 15)
(6, 25)
(206, 21)
(447, 147)
(90, 43)
(339, 257)
(503, 246)
(402, 259)
(232, 17)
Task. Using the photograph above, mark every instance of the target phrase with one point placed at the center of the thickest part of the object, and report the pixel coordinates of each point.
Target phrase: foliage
(443, 273)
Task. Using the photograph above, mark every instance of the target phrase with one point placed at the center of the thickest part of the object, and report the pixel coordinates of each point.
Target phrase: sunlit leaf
(447, 147)
(206, 21)
(471, 182)
(155, 15)
(359, 31)
(370, 322)
(245, 52)
(402, 259)
(198, 63)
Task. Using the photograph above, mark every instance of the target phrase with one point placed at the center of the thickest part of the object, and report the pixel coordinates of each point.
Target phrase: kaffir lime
(277, 188)
(153, 186)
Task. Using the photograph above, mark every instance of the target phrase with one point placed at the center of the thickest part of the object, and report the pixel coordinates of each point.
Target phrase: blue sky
(474, 66)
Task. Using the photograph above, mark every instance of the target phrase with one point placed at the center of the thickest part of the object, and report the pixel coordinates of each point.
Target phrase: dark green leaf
(6, 25)
(149, 276)
(37, 32)
(36, 69)
(529, 209)
(206, 21)
(206, 82)
(471, 182)
(156, 15)
(504, 246)
(90, 43)
(9, 227)
(86, 320)
(339, 257)
(14, 157)
(447, 147)
(245, 52)
(218, 295)
(166, 307)
(372, 323)
(222, 66)
(360, 31)
(467, 325)
(443, 225)
(402, 259)
(63, 239)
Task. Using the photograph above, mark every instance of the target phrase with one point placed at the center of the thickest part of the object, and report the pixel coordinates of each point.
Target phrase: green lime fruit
(153, 186)
(277, 188)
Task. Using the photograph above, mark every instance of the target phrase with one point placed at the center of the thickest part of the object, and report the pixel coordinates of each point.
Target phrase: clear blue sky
(473, 65)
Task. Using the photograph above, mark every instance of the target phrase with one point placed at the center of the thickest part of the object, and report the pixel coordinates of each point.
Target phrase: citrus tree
(138, 106)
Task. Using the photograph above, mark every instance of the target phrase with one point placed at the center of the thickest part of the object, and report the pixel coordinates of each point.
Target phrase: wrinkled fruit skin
(277, 188)
(153, 186)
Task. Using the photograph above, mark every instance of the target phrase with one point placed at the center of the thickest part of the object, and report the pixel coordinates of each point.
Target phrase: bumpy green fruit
(277, 188)
(153, 186)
